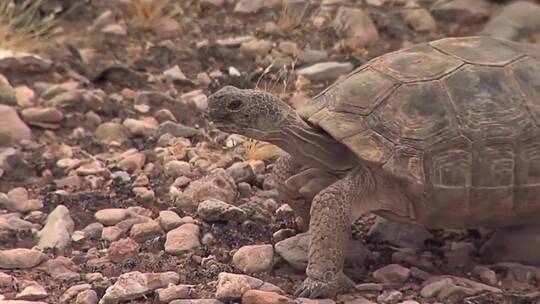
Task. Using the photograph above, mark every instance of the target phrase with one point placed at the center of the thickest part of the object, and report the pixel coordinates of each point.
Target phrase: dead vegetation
(147, 15)
(22, 28)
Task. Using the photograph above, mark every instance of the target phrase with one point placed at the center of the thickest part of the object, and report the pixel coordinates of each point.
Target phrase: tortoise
(443, 134)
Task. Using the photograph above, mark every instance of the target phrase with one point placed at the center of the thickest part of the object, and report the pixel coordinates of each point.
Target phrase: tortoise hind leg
(519, 244)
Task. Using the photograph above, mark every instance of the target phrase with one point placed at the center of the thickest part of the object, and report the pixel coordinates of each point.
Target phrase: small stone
(32, 291)
(20, 258)
(63, 269)
(175, 74)
(313, 56)
(264, 297)
(254, 48)
(57, 230)
(122, 250)
(399, 234)
(144, 194)
(485, 274)
(294, 250)
(115, 29)
(87, 297)
(198, 301)
(254, 258)
(390, 297)
(231, 287)
(46, 115)
(12, 128)
(72, 292)
(5, 280)
(145, 231)
(135, 284)
(248, 6)
(166, 295)
(325, 71)
(356, 27)
(241, 172)
(132, 162)
(463, 11)
(177, 168)
(215, 210)
(176, 129)
(369, 287)
(182, 239)
(140, 127)
(420, 20)
(515, 19)
(169, 220)
(164, 115)
(216, 185)
(393, 273)
(113, 216)
(110, 132)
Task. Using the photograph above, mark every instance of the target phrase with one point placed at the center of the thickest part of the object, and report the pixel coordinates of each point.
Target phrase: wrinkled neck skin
(311, 147)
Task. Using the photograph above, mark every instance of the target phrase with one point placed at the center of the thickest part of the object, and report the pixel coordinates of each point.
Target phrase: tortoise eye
(234, 105)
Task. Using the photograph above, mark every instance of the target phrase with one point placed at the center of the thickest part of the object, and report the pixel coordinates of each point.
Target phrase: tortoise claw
(313, 289)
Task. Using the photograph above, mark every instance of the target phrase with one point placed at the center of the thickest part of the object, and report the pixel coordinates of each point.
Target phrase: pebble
(356, 27)
(133, 285)
(17, 200)
(177, 168)
(254, 48)
(176, 129)
(145, 231)
(72, 292)
(112, 216)
(420, 19)
(24, 63)
(231, 287)
(217, 185)
(141, 127)
(57, 230)
(114, 29)
(182, 239)
(5, 280)
(241, 172)
(12, 128)
(132, 162)
(485, 274)
(254, 258)
(111, 133)
(265, 297)
(325, 71)
(513, 20)
(87, 297)
(248, 6)
(463, 11)
(122, 250)
(32, 291)
(215, 210)
(399, 234)
(309, 56)
(46, 115)
(20, 258)
(390, 297)
(393, 273)
(173, 292)
(294, 250)
(168, 220)
(62, 269)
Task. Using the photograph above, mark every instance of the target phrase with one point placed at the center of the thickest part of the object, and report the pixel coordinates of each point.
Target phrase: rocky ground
(115, 188)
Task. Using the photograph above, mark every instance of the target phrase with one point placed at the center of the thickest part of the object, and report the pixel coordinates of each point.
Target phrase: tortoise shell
(458, 116)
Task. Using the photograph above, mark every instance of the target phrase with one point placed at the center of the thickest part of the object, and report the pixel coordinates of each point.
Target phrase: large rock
(57, 230)
(135, 284)
(356, 27)
(464, 11)
(231, 286)
(22, 64)
(514, 20)
(12, 128)
(519, 244)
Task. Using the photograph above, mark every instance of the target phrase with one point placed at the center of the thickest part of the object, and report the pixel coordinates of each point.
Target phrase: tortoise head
(253, 113)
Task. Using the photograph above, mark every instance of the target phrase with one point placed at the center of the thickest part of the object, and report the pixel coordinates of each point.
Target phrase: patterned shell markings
(457, 114)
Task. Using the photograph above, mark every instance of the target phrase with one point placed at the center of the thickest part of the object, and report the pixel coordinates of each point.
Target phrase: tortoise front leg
(284, 168)
(330, 230)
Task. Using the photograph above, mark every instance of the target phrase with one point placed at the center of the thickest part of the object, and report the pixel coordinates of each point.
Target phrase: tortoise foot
(313, 289)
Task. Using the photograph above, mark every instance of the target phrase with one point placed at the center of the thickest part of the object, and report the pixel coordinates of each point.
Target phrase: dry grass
(21, 27)
(259, 150)
(288, 19)
(148, 15)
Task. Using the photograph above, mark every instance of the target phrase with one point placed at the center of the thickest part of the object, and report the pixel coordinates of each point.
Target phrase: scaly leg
(284, 168)
(330, 231)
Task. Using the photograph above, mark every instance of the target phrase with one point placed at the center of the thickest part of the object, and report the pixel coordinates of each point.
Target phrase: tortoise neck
(313, 147)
